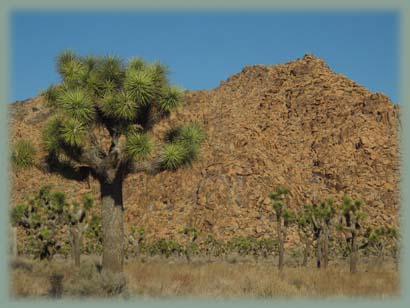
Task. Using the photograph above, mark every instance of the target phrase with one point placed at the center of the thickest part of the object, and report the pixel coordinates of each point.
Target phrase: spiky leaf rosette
(171, 99)
(111, 68)
(73, 132)
(139, 145)
(72, 69)
(137, 63)
(141, 86)
(191, 137)
(173, 156)
(159, 73)
(77, 104)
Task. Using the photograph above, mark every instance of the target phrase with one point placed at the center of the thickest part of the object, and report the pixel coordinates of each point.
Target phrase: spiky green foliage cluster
(126, 98)
(278, 201)
(139, 145)
(322, 211)
(23, 154)
(352, 207)
(184, 146)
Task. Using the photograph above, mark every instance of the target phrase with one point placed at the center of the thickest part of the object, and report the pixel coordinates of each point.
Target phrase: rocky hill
(297, 124)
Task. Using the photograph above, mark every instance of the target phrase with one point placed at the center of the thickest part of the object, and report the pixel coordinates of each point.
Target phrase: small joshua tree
(305, 232)
(380, 240)
(284, 217)
(321, 218)
(266, 247)
(351, 221)
(191, 247)
(376, 242)
(103, 111)
(77, 219)
(213, 247)
(136, 239)
(394, 244)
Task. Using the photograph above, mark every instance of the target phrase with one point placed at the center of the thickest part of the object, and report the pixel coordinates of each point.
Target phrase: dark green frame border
(403, 6)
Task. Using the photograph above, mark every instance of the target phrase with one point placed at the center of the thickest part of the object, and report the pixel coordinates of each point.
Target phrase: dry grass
(206, 280)
(224, 280)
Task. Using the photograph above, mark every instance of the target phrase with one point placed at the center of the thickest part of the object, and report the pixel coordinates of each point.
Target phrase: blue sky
(204, 47)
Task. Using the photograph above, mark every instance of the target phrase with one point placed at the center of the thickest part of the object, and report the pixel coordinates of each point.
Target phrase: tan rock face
(296, 124)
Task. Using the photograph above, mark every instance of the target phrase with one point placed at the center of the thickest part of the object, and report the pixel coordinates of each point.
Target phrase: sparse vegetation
(44, 217)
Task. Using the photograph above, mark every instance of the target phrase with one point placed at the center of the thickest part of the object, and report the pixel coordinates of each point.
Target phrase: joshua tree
(395, 242)
(266, 247)
(136, 239)
(380, 240)
(321, 218)
(76, 216)
(191, 247)
(213, 247)
(103, 110)
(351, 225)
(304, 223)
(284, 217)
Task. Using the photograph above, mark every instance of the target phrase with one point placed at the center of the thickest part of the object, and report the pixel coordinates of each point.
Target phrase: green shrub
(23, 154)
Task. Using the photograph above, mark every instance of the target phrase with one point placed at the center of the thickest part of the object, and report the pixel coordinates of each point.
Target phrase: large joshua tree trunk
(112, 225)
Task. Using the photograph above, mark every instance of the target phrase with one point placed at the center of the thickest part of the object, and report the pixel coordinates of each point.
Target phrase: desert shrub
(23, 154)
(88, 281)
(241, 245)
(212, 247)
(164, 248)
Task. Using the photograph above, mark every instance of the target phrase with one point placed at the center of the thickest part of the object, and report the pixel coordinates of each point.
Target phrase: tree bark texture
(112, 226)
(76, 238)
(306, 252)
